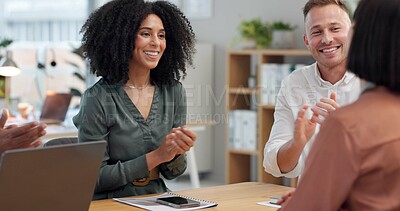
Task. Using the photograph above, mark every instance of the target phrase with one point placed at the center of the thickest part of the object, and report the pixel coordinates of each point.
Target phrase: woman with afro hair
(140, 50)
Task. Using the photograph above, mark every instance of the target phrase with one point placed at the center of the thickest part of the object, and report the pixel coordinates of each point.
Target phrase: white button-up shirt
(303, 86)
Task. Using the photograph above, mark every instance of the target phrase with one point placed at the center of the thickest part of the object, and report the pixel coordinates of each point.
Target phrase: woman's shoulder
(176, 87)
(174, 91)
(101, 90)
(96, 86)
(101, 86)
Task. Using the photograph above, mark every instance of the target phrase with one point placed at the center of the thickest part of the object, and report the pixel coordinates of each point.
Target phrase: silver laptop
(61, 177)
(55, 108)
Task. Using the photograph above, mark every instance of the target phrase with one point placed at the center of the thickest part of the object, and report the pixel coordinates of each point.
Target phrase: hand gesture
(185, 139)
(324, 107)
(14, 137)
(304, 127)
(178, 141)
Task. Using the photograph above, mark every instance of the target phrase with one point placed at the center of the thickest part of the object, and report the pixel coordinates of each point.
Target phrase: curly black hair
(109, 39)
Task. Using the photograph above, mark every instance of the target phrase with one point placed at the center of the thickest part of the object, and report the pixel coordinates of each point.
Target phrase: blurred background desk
(58, 131)
(65, 129)
(52, 130)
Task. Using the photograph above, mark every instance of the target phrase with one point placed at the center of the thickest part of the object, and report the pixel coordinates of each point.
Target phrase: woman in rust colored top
(354, 163)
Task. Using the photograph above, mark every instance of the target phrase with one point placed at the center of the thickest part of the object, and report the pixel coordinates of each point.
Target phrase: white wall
(220, 30)
(198, 82)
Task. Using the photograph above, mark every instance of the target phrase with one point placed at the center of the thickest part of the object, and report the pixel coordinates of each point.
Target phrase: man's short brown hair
(319, 3)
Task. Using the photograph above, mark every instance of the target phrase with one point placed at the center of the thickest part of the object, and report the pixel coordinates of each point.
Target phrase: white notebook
(149, 203)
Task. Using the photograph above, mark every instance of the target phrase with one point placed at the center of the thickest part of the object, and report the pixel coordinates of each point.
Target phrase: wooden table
(240, 196)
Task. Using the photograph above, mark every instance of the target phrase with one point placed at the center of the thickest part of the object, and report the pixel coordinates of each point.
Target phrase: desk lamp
(8, 68)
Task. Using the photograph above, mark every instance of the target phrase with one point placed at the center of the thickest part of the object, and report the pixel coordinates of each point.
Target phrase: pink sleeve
(330, 171)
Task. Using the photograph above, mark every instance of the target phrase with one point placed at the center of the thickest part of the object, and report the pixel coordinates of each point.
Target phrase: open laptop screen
(55, 108)
(61, 177)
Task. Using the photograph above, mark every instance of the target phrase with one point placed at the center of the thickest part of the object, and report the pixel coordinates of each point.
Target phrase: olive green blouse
(107, 113)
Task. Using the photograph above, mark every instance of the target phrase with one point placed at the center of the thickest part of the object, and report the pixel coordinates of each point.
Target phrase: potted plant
(282, 35)
(78, 72)
(3, 44)
(255, 31)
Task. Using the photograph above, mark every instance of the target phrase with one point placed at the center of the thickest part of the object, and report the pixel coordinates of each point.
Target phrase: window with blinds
(42, 20)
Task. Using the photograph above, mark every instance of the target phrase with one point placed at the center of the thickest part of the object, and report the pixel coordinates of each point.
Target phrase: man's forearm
(288, 156)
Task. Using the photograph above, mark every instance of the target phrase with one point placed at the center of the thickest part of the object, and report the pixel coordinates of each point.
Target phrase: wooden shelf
(243, 152)
(272, 52)
(245, 91)
(268, 107)
(242, 64)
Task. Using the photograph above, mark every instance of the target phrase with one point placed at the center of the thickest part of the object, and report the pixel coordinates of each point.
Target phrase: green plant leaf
(5, 42)
(79, 51)
(279, 25)
(80, 76)
(75, 92)
(256, 29)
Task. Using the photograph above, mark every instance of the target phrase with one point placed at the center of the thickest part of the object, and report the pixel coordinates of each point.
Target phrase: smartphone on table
(178, 202)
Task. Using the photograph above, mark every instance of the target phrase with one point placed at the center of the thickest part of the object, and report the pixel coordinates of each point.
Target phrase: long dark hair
(374, 53)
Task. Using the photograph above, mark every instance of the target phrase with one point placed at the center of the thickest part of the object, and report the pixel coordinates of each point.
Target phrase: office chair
(63, 140)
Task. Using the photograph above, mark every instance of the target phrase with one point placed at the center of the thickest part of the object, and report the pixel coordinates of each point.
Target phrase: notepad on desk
(150, 203)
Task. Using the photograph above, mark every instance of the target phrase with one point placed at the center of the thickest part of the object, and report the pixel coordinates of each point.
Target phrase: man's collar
(345, 79)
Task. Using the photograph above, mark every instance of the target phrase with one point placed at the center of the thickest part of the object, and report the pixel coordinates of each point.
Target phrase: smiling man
(323, 86)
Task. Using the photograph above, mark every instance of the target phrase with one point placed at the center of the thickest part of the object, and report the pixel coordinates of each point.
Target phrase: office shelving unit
(241, 64)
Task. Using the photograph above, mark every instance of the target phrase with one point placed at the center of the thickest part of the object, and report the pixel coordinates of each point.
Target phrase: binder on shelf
(243, 129)
(253, 71)
(249, 130)
(271, 78)
(235, 133)
(231, 122)
(265, 80)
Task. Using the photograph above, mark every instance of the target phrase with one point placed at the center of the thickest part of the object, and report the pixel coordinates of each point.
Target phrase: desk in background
(59, 131)
(239, 196)
(69, 130)
(52, 130)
